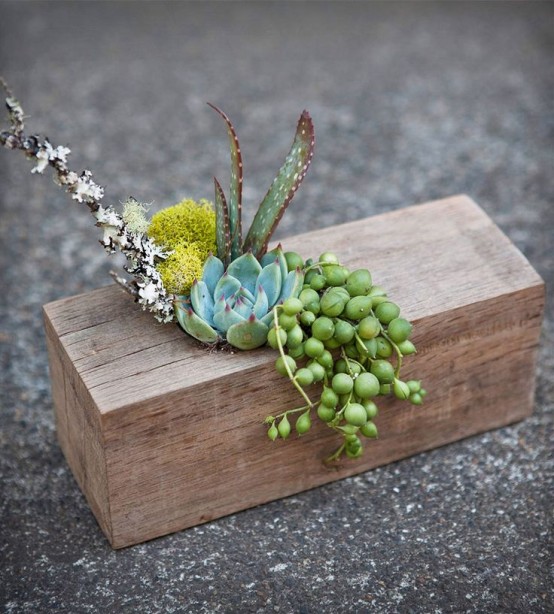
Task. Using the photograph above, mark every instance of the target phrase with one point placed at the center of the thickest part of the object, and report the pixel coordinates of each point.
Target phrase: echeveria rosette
(235, 305)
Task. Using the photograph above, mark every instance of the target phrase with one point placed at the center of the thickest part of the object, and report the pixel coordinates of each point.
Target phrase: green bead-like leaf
(235, 191)
(248, 335)
(212, 272)
(246, 269)
(222, 227)
(283, 188)
(194, 325)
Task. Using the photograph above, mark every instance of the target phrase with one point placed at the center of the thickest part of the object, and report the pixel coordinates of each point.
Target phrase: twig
(141, 252)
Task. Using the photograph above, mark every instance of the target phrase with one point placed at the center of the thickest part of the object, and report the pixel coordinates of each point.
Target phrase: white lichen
(134, 215)
(120, 234)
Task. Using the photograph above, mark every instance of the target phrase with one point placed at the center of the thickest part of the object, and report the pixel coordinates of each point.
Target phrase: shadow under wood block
(162, 434)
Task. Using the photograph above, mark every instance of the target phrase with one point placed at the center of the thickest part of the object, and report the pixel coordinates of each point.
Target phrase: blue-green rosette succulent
(236, 305)
(233, 300)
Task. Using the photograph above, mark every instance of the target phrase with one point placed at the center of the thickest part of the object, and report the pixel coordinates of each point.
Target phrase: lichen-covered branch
(141, 252)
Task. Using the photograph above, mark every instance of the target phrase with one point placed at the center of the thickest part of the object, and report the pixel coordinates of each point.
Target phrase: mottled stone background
(411, 102)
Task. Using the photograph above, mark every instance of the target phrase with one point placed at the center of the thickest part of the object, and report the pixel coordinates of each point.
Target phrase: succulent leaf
(212, 272)
(292, 285)
(276, 252)
(270, 280)
(248, 335)
(202, 301)
(226, 318)
(194, 325)
(246, 269)
(268, 319)
(227, 286)
(246, 294)
(222, 225)
(283, 188)
(262, 304)
(235, 190)
(243, 307)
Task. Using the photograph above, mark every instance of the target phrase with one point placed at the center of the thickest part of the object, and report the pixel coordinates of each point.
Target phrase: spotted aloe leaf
(283, 188)
(235, 191)
(222, 229)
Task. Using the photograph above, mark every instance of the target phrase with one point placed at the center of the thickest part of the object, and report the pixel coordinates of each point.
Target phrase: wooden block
(162, 434)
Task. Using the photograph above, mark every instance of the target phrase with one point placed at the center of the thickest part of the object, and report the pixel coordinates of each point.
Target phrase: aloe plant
(233, 300)
(228, 212)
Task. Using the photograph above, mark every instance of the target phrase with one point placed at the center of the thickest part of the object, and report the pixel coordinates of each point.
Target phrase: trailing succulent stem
(343, 335)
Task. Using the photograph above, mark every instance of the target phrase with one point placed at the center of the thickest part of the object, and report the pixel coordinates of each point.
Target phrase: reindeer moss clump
(188, 231)
(182, 267)
(185, 222)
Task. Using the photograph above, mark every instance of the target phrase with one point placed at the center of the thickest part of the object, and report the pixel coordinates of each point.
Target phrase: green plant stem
(336, 454)
(291, 411)
(282, 353)
(399, 354)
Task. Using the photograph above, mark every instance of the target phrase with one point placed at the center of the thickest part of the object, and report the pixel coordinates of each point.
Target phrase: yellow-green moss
(182, 267)
(185, 222)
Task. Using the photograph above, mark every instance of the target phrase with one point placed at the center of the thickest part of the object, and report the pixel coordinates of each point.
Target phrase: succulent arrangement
(340, 339)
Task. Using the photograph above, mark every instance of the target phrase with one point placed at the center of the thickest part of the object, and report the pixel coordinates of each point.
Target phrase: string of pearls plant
(340, 340)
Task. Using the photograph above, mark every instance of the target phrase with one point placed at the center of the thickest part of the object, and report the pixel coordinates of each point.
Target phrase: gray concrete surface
(411, 102)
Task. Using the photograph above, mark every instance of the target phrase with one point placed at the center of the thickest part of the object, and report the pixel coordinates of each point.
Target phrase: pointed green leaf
(227, 286)
(268, 319)
(235, 191)
(283, 188)
(195, 326)
(222, 228)
(292, 284)
(246, 294)
(270, 280)
(276, 252)
(220, 304)
(248, 335)
(262, 304)
(212, 272)
(243, 307)
(202, 301)
(225, 318)
(246, 269)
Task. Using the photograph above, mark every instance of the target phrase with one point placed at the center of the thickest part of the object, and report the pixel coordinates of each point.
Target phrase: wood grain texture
(162, 434)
